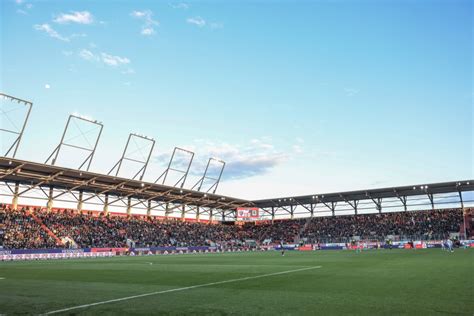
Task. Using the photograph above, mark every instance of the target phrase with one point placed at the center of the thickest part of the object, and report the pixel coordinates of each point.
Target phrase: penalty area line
(178, 290)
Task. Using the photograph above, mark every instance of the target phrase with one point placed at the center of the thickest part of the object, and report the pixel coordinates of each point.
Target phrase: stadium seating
(420, 225)
(25, 229)
(21, 231)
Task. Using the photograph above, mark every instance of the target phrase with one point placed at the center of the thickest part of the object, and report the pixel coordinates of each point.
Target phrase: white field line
(2, 278)
(177, 290)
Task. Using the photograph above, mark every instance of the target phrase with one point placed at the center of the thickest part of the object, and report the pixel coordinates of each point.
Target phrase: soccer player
(282, 249)
(450, 245)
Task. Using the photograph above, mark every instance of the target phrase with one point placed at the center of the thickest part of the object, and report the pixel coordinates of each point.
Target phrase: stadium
(86, 232)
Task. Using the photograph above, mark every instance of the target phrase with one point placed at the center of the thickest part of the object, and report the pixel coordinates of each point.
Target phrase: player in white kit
(450, 245)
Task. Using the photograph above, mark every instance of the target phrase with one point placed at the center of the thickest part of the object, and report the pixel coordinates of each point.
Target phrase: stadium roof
(36, 175)
(373, 194)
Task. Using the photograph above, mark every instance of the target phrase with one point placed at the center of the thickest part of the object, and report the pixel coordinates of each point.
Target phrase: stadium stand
(40, 229)
(420, 225)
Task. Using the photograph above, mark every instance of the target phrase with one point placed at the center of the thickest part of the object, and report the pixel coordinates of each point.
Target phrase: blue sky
(297, 98)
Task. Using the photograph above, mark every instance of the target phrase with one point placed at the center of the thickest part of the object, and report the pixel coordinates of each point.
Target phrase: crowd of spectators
(423, 225)
(285, 231)
(22, 230)
(89, 231)
(115, 231)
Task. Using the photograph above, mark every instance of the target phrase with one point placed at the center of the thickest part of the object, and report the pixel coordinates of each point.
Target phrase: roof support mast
(72, 118)
(171, 167)
(18, 131)
(126, 156)
(205, 177)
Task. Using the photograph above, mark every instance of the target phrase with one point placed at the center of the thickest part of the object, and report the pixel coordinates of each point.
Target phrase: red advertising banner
(305, 248)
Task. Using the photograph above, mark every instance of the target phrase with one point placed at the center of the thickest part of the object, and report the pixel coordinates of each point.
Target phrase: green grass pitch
(376, 282)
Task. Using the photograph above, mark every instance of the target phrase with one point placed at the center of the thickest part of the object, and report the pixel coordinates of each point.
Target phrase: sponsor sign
(248, 214)
(43, 254)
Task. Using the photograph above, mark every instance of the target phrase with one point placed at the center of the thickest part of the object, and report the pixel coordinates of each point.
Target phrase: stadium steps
(467, 220)
(46, 229)
(263, 236)
(303, 229)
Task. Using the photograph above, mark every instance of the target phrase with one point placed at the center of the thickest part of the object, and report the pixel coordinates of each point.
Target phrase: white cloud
(198, 21)
(148, 22)
(297, 149)
(248, 160)
(50, 31)
(181, 5)
(47, 86)
(242, 161)
(72, 68)
(23, 7)
(114, 60)
(129, 71)
(105, 58)
(138, 14)
(261, 144)
(78, 35)
(87, 117)
(216, 25)
(88, 55)
(351, 91)
(148, 31)
(82, 17)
